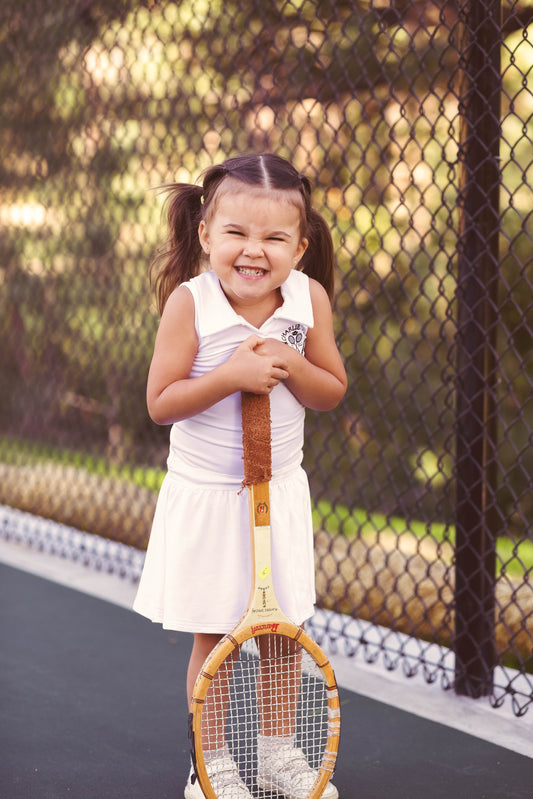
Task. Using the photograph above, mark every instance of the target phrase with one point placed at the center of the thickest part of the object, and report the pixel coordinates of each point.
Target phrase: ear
(203, 235)
(302, 247)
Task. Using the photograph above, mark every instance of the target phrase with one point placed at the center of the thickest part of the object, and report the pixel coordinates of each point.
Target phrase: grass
(513, 557)
(20, 452)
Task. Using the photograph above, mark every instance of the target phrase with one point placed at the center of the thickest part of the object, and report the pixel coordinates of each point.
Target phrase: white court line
(110, 587)
(414, 695)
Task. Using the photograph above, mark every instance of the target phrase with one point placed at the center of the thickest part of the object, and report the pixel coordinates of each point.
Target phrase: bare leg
(202, 646)
(217, 698)
(278, 685)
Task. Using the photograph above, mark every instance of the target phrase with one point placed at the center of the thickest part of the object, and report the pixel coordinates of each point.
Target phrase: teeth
(249, 270)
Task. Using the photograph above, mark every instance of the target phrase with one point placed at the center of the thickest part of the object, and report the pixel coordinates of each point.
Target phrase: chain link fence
(414, 123)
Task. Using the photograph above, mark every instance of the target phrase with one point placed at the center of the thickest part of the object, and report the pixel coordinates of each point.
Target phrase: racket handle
(256, 438)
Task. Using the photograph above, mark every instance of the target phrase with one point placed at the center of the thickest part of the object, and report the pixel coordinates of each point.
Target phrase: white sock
(270, 744)
(212, 754)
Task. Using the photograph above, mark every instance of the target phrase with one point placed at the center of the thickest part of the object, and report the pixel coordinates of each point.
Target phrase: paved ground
(92, 705)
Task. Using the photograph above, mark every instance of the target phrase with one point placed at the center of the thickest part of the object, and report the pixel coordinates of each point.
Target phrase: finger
(253, 341)
(280, 373)
(249, 344)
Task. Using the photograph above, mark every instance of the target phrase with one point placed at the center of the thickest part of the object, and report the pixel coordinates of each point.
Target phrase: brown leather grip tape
(256, 438)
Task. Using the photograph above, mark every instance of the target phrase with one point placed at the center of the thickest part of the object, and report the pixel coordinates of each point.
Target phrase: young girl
(244, 291)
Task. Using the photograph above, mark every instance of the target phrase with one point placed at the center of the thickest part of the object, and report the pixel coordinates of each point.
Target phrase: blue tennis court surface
(93, 705)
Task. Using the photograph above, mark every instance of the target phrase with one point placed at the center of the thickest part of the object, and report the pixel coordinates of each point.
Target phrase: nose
(253, 249)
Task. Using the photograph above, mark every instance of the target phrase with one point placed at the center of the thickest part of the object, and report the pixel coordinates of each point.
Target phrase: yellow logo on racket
(265, 571)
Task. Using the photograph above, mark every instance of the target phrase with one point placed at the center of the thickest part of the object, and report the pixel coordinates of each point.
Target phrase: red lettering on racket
(270, 627)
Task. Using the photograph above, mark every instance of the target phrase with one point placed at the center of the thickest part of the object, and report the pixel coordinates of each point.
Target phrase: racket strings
(267, 708)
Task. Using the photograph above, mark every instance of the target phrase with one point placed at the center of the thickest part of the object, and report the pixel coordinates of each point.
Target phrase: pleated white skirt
(197, 572)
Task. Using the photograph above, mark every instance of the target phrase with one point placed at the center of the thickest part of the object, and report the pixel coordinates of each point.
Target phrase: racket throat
(264, 611)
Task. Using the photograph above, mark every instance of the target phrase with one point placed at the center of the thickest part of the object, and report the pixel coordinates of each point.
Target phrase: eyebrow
(230, 225)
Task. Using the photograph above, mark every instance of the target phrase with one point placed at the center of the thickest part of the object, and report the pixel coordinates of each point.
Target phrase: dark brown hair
(188, 204)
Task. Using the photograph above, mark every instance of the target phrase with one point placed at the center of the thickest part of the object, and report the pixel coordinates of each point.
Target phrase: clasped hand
(258, 364)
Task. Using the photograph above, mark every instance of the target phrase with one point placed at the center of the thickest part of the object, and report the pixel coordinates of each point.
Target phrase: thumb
(252, 342)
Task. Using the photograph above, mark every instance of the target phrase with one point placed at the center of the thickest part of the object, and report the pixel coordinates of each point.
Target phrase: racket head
(299, 688)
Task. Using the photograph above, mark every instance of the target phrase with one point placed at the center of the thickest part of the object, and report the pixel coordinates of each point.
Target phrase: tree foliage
(105, 101)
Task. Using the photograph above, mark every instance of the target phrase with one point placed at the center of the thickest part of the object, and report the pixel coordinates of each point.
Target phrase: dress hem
(157, 617)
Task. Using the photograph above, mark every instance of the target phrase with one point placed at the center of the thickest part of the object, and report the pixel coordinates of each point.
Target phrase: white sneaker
(224, 778)
(287, 771)
(193, 790)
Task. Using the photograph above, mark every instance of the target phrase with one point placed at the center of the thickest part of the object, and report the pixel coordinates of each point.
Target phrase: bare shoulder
(177, 322)
(179, 309)
(180, 300)
(176, 345)
(319, 300)
(320, 346)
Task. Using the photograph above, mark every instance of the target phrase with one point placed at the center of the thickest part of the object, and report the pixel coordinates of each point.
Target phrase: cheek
(224, 251)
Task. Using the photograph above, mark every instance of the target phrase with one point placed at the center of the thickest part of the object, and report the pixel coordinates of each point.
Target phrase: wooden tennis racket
(267, 678)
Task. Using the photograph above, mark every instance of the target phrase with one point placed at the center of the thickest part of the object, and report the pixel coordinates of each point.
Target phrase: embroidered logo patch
(294, 336)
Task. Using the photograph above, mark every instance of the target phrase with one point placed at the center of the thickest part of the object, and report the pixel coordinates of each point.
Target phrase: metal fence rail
(414, 123)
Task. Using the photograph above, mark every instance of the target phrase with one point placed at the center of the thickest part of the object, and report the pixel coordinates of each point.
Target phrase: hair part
(182, 256)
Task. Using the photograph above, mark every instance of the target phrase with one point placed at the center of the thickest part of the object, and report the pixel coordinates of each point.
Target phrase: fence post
(478, 267)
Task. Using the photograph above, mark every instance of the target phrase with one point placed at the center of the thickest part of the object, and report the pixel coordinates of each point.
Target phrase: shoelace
(295, 772)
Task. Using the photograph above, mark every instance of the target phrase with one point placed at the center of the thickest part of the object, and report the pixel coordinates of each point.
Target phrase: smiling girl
(244, 288)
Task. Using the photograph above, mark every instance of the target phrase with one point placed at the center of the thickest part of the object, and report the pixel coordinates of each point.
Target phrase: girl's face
(253, 241)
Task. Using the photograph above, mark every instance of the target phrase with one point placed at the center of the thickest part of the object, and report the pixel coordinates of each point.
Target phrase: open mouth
(250, 271)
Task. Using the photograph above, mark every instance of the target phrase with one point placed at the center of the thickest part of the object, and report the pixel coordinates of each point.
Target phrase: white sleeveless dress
(197, 572)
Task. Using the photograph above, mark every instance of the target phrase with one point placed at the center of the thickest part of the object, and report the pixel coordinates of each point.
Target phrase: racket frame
(263, 617)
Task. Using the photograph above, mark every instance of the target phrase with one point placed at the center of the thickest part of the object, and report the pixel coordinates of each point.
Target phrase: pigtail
(181, 256)
(318, 261)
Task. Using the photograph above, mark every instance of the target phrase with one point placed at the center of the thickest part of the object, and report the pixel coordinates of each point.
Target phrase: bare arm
(318, 380)
(172, 395)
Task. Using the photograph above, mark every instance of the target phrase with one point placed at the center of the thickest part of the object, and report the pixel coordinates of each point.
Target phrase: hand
(255, 368)
(272, 347)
